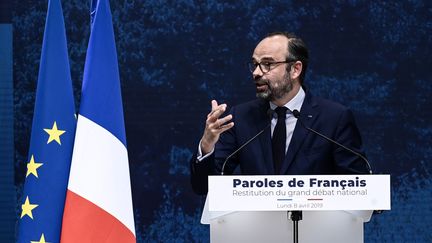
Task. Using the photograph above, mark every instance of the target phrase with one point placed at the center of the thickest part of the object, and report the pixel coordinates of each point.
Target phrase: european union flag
(52, 138)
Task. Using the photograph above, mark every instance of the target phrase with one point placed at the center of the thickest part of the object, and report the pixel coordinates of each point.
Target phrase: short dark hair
(297, 50)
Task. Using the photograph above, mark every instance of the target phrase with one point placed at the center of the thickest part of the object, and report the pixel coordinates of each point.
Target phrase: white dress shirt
(290, 121)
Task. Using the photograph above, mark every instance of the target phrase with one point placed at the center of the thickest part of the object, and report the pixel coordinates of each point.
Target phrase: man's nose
(257, 73)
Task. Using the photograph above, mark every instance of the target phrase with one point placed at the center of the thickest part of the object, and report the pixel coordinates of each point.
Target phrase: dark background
(175, 56)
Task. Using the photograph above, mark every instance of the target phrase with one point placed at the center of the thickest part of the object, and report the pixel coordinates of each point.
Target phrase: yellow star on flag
(27, 208)
(54, 133)
(32, 167)
(42, 240)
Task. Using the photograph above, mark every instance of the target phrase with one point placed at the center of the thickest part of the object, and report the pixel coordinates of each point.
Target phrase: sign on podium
(257, 208)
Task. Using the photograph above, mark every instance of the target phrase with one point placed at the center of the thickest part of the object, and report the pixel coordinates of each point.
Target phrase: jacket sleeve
(212, 165)
(200, 170)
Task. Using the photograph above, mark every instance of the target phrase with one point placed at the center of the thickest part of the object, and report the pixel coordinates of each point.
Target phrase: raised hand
(215, 126)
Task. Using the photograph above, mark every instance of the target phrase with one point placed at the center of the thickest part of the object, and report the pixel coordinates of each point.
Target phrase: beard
(275, 89)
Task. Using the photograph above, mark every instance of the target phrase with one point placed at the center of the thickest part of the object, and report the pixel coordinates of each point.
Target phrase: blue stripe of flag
(101, 99)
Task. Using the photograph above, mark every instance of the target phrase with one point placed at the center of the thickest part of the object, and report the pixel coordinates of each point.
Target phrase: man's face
(275, 83)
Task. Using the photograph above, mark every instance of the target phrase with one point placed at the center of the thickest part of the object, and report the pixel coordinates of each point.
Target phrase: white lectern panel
(271, 226)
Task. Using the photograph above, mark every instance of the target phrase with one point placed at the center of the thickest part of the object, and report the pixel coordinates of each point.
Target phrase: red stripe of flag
(91, 223)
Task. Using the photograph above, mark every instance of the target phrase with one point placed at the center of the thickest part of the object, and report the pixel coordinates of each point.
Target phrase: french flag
(98, 205)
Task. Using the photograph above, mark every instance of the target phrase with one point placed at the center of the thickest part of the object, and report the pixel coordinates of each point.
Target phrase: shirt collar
(295, 103)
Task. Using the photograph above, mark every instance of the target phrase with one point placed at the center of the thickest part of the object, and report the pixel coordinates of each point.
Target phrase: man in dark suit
(285, 147)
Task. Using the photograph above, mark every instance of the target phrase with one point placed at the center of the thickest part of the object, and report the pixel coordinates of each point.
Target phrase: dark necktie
(279, 139)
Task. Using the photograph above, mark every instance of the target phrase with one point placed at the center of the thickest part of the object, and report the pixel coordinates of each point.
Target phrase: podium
(335, 226)
(275, 226)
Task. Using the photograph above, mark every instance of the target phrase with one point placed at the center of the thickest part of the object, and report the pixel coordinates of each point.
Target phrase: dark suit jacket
(307, 153)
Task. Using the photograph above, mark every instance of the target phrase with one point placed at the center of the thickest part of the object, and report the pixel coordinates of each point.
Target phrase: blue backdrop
(175, 56)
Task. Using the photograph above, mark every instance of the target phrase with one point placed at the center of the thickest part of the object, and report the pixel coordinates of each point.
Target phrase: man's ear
(296, 70)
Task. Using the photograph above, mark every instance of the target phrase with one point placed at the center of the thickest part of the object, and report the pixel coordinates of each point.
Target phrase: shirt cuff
(200, 157)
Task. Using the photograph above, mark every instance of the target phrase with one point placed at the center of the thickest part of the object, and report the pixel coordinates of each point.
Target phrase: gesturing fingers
(219, 124)
(215, 126)
(225, 127)
(216, 112)
(214, 105)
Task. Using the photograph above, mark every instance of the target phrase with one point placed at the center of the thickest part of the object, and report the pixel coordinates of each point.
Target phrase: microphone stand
(269, 114)
(298, 215)
(295, 216)
(235, 152)
(296, 114)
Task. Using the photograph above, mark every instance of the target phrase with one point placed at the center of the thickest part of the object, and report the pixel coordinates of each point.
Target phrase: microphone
(296, 114)
(270, 115)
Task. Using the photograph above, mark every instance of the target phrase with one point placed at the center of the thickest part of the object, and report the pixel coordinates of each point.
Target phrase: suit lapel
(308, 114)
(263, 120)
